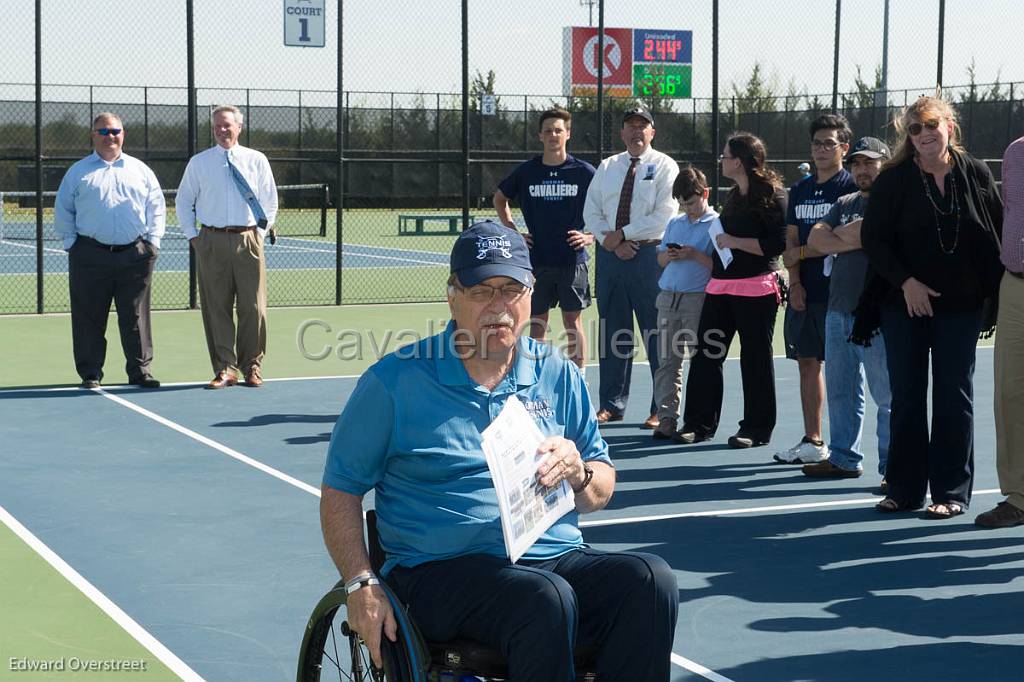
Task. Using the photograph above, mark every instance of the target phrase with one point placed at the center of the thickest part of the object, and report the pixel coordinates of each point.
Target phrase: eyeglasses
(915, 128)
(103, 132)
(827, 145)
(723, 157)
(482, 293)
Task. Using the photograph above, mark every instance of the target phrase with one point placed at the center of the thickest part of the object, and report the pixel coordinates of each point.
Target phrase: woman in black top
(742, 297)
(931, 232)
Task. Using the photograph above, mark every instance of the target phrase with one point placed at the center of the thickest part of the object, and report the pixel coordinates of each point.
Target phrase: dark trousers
(944, 458)
(97, 276)
(625, 288)
(721, 318)
(536, 612)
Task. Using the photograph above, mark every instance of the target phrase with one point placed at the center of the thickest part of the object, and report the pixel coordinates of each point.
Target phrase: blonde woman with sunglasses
(931, 233)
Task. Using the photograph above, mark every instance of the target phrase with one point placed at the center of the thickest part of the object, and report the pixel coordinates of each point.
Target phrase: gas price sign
(662, 63)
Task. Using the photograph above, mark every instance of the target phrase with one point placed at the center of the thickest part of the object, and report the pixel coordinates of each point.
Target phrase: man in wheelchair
(411, 432)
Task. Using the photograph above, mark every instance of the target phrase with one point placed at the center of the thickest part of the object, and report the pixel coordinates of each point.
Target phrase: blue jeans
(846, 367)
(625, 288)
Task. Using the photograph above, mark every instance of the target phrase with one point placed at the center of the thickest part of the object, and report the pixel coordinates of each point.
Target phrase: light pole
(882, 95)
(589, 4)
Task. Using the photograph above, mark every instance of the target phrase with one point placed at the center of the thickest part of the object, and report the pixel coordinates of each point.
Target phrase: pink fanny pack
(761, 285)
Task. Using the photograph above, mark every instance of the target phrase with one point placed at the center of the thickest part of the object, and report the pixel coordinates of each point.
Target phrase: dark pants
(625, 288)
(943, 459)
(535, 612)
(98, 275)
(721, 318)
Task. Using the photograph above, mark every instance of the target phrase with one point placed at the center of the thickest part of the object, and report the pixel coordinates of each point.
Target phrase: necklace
(953, 210)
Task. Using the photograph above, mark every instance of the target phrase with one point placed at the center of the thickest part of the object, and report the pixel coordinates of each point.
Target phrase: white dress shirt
(113, 202)
(652, 205)
(208, 192)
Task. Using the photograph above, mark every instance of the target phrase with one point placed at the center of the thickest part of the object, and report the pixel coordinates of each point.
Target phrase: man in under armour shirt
(551, 189)
(810, 200)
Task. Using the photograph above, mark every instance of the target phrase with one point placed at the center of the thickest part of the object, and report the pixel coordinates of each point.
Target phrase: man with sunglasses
(810, 200)
(411, 431)
(110, 213)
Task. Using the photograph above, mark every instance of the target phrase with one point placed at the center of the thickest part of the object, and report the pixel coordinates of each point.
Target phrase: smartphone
(673, 245)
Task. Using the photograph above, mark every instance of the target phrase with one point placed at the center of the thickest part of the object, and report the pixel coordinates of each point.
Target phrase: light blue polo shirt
(411, 431)
(687, 276)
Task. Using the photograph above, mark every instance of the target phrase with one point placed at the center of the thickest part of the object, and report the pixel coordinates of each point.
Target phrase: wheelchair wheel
(331, 650)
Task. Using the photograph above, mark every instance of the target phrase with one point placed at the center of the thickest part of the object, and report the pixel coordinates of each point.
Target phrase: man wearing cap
(628, 205)
(110, 213)
(838, 234)
(1009, 351)
(437, 510)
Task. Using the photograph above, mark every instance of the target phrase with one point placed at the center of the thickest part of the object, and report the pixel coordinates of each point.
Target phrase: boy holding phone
(685, 254)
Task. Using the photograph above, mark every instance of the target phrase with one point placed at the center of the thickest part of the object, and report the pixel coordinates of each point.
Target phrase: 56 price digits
(661, 84)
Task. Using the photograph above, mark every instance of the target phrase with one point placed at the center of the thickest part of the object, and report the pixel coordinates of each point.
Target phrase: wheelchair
(331, 650)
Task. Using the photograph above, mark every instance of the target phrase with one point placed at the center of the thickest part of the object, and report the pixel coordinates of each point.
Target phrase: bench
(413, 224)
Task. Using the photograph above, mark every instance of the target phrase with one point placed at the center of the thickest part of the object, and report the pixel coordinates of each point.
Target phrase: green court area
(48, 622)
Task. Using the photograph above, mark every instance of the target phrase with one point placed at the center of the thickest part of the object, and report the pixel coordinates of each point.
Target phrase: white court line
(31, 246)
(141, 635)
(695, 667)
(245, 459)
(747, 510)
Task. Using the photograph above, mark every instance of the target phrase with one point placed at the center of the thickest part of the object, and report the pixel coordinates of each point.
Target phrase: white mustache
(502, 319)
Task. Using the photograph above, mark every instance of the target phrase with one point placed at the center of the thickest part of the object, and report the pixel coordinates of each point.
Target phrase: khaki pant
(233, 274)
(1009, 390)
(678, 320)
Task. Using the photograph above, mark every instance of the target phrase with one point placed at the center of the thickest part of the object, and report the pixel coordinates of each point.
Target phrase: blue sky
(413, 45)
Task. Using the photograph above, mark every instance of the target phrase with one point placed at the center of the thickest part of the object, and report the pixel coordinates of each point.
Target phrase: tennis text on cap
(485, 245)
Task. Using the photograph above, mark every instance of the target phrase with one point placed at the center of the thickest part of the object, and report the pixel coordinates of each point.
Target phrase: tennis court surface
(192, 515)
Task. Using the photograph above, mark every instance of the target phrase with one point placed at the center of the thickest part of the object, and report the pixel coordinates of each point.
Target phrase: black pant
(98, 275)
(722, 316)
(943, 460)
(535, 612)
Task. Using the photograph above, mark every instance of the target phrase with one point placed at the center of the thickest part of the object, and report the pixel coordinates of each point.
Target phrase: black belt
(1018, 275)
(110, 247)
(646, 242)
(233, 229)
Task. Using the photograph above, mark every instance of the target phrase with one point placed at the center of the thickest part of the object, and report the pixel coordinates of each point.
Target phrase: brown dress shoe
(605, 416)
(1004, 515)
(666, 429)
(651, 422)
(253, 378)
(223, 379)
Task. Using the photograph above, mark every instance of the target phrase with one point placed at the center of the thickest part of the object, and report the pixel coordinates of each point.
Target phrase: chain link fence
(405, 157)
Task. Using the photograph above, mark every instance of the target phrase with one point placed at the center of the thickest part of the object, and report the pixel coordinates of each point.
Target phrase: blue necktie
(247, 193)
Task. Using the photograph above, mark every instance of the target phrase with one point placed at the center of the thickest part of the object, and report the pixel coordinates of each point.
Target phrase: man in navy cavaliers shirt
(551, 189)
(810, 200)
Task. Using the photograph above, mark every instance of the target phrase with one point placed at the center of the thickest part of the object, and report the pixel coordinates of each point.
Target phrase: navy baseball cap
(488, 249)
(871, 147)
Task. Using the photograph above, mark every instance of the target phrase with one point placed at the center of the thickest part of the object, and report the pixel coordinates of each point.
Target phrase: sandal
(944, 510)
(891, 506)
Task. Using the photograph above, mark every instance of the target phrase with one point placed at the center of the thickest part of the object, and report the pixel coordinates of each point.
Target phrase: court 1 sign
(304, 23)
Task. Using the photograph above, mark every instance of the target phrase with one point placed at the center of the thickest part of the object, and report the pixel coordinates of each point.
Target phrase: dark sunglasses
(108, 131)
(915, 128)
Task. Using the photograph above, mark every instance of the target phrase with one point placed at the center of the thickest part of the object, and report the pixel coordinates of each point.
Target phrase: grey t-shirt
(849, 269)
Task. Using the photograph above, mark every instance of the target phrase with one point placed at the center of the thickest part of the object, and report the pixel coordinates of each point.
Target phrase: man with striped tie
(230, 190)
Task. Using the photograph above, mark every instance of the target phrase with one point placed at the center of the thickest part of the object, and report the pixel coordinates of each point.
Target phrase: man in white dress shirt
(229, 247)
(110, 214)
(628, 205)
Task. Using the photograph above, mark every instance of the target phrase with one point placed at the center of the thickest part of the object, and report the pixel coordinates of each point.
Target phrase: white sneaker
(804, 452)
